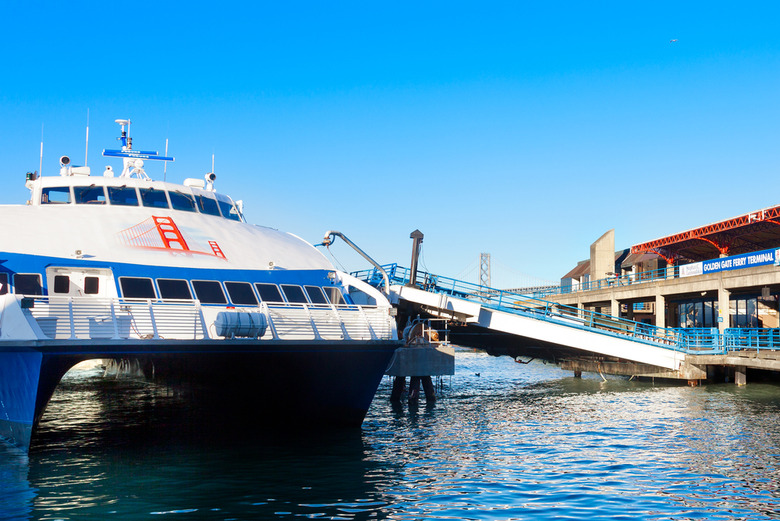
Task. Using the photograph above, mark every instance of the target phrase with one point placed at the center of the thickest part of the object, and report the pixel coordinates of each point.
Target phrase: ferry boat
(119, 266)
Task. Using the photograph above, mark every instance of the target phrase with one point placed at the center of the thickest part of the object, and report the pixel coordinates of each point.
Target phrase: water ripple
(517, 442)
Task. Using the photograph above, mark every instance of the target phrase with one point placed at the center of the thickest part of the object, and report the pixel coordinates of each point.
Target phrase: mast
(133, 160)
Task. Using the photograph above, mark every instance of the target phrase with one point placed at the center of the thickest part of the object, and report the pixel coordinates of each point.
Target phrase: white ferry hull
(124, 267)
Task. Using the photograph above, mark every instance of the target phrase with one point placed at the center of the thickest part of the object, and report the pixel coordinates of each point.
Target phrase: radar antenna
(133, 159)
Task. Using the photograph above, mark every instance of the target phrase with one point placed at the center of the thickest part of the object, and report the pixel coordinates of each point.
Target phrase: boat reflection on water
(526, 442)
(16, 494)
(121, 445)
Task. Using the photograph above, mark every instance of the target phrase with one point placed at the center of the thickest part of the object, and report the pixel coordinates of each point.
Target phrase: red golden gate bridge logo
(161, 233)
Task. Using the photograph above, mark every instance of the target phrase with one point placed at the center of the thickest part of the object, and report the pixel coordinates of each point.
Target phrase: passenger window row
(239, 293)
(148, 197)
(207, 291)
(24, 284)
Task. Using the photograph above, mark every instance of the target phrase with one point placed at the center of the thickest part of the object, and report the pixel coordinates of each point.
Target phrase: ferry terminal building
(723, 275)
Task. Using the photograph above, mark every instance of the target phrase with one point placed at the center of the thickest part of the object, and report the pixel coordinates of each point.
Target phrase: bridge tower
(484, 269)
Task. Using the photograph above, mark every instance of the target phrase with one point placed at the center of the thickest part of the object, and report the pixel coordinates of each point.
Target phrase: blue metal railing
(758, 339)
(628, 279)
(688, 340)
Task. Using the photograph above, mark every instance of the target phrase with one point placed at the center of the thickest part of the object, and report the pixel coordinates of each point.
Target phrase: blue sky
(525, 130)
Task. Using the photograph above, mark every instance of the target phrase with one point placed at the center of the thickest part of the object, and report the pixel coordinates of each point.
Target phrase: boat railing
(330, 322)
(111, 318)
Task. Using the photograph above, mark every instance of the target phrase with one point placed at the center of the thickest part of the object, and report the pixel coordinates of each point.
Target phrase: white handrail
(93, 317)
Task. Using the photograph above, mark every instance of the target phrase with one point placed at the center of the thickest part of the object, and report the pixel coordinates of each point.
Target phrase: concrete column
(723, 308)
(602, 256)
(740, 375)
(614, 307)
(660, 310)
(630, 308)
(581, 308)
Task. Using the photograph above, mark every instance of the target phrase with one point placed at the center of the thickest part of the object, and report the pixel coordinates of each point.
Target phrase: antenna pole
(86, 147)
(165, 163)
(212, 163)
(40, 167)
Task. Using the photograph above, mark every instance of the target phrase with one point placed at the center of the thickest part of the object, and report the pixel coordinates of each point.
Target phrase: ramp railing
(688, 340)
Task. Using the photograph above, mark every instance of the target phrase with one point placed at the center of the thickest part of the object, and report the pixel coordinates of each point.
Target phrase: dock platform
(520, 325)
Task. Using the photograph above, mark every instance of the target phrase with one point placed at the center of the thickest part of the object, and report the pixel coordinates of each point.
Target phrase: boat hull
(269, 383)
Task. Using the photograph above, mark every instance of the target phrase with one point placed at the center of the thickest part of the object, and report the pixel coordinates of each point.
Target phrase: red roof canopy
(750, 232)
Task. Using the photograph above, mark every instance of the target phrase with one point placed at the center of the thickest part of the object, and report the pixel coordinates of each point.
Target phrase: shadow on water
(127, 449)
(504, 441)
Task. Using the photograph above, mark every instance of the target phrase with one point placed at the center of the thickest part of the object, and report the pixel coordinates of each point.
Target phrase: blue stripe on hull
(25, 263)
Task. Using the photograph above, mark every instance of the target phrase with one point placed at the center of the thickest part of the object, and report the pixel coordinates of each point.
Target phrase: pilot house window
(182, 201)
(228, 210)
(122, 196)
(207, 205)
(3, 283)
(55, 195)
(153, 198)
(89, 194)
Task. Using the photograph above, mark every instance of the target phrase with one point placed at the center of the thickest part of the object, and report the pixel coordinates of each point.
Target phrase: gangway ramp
(608, 337)
(554, 329)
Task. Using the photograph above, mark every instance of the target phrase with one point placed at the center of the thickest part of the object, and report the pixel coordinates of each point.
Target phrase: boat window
(55, 195)
(269, 292)
(294, 294)
(89, 194)
(315, 295)
(91, 285)
(27, 284)
(209, 291)
(207, 205)
(361, 297)
(133, 287)
(228, 209)
(174, 289)
(334, 295)
(61, 284)
(3, 283)
(123, 196)
(182, 201)
(154, 198)
(241, 293)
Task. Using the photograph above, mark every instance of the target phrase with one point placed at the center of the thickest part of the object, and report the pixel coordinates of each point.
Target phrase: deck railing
(688, 340)
(628, 279)
(92, 318)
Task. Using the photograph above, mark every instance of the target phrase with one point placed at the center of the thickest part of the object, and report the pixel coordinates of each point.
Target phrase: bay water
(503, 441)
